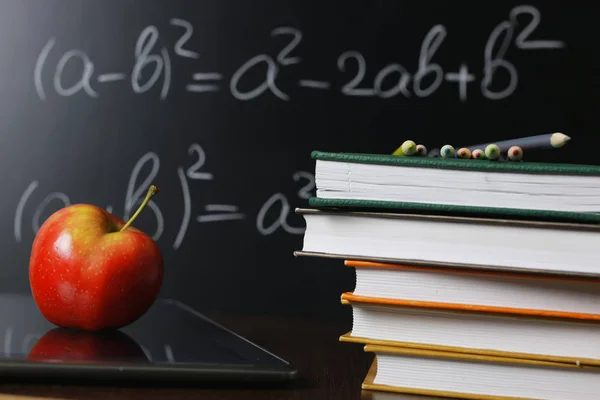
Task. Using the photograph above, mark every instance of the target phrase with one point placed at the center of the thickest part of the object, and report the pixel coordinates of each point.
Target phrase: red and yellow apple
(89, 270)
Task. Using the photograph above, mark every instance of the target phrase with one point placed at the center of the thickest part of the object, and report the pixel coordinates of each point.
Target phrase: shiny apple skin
(85, 274)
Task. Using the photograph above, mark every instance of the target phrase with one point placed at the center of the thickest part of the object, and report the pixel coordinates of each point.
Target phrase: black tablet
(171, 342)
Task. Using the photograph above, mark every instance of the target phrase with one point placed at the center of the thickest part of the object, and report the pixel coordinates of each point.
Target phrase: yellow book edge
(369, 385)
(563, 361)
(405, 351)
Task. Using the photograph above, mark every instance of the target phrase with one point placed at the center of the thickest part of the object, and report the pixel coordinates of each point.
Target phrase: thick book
(457, 242)
(466, 376)
(461, 330)
(471, 186)
(479, 290)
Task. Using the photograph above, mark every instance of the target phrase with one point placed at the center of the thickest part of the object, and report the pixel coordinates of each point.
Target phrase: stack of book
(474, 279)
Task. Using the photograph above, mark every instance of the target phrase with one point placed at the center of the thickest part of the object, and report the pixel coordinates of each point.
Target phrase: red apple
(69, 345)
(89, 270)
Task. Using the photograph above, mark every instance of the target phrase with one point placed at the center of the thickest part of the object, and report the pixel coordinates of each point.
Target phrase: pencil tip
(558, 139)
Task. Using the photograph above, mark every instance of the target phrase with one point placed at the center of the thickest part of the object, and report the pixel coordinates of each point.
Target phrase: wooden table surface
(327, 368)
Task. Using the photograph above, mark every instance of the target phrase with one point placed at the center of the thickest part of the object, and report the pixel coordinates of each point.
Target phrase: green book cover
(443, 209)
(460, 164)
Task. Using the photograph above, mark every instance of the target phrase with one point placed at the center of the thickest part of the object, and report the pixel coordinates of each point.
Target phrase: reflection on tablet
(67, 345)
(170, 337)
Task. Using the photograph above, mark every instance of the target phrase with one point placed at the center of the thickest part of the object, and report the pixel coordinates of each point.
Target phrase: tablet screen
(170, 334)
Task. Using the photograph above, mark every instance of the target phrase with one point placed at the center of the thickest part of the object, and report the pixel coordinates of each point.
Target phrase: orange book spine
(352, 298)
(371, 264)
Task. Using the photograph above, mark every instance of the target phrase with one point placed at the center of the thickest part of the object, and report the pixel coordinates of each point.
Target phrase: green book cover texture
(444, 209)
(460, 164)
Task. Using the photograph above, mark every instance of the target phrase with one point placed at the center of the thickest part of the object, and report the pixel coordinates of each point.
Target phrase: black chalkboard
(221, 102)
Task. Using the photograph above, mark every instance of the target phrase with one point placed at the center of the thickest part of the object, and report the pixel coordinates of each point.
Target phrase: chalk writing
(425, 81)
(281, 222)
(195, 172)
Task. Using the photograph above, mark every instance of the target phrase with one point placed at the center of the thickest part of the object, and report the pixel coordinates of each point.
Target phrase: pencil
(545, 141)
(408, 148)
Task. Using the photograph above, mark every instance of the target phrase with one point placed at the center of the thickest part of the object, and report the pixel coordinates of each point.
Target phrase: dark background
(86, 147)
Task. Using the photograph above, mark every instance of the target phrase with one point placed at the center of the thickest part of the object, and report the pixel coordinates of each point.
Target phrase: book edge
(348, 338)
(469, 308)
(459, 164)
(366, 213)
(351, 263)
(478, 212)
(431, 393)
(422, 353)
(468, 267)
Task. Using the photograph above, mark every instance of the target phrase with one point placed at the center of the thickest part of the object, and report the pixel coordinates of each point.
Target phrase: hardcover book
(437, 185)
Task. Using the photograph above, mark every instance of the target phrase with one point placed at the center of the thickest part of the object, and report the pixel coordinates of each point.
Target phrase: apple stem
(151, 192)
